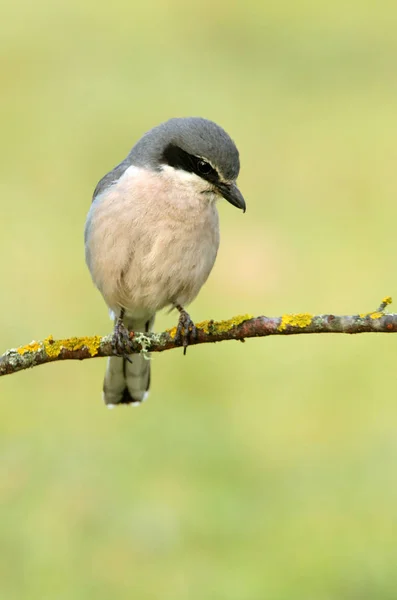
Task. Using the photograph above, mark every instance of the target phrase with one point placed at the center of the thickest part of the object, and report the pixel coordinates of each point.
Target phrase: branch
(238, 328)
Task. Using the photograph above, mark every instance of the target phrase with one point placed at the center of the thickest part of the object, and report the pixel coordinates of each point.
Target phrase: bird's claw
(121, 341)
(186, 331)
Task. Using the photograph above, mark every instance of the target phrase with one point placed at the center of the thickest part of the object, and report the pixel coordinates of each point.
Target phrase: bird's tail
(128, 382)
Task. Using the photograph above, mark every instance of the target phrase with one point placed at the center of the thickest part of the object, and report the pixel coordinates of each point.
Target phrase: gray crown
(194, 135)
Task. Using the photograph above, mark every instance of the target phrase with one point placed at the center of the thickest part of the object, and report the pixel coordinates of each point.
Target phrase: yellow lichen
(300, 320)
(32, 347)
(54, 347)
(375, 315)
(222, 326)
(371, 315)
(172, 332)
(216, 327)
(378, 313)
(91, 343)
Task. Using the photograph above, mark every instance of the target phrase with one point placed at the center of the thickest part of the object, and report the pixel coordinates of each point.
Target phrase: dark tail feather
(128, 382)
(127, 398)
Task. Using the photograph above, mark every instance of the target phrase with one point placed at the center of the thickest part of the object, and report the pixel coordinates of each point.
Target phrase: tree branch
(238, 328)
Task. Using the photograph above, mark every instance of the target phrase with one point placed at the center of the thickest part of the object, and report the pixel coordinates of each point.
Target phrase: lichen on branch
(237, 328)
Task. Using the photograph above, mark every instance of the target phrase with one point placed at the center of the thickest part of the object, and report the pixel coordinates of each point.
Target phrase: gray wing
(111, 177)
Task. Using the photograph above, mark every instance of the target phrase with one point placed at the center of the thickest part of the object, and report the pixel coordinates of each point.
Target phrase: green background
(257, 471)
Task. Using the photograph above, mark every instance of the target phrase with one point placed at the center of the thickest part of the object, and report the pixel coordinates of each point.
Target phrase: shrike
(152, 236)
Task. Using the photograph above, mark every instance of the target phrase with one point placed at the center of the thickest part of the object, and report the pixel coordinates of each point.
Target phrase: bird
(152, 236)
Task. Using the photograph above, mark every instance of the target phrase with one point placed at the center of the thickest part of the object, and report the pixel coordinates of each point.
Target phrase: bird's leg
(121, 337)
(186, 331)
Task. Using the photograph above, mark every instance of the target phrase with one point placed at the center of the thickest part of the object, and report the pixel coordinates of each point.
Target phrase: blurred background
(264, 470)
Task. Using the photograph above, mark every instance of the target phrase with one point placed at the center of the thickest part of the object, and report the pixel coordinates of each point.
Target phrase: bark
(237, 328)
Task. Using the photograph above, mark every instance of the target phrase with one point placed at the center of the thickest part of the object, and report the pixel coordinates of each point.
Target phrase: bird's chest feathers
(173, 206)
(184, 237)
(188, 221)
(153, 239)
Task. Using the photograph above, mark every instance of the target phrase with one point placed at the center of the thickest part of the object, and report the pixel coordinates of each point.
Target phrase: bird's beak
(232, 194)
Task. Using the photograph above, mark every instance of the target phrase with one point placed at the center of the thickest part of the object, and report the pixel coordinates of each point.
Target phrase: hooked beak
(232, 194)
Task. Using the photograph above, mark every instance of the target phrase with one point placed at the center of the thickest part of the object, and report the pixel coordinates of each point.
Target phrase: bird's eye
(204, 168)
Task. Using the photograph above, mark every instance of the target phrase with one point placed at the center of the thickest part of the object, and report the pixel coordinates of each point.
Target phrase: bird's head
(195, 146)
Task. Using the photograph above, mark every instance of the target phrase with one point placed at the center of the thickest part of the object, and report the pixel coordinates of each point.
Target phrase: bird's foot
(121, 341)
(186, 331)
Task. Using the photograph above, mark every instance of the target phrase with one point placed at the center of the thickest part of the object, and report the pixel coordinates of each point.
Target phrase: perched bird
(152, 235)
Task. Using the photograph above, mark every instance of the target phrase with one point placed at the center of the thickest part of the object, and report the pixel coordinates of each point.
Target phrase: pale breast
(151, 241)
